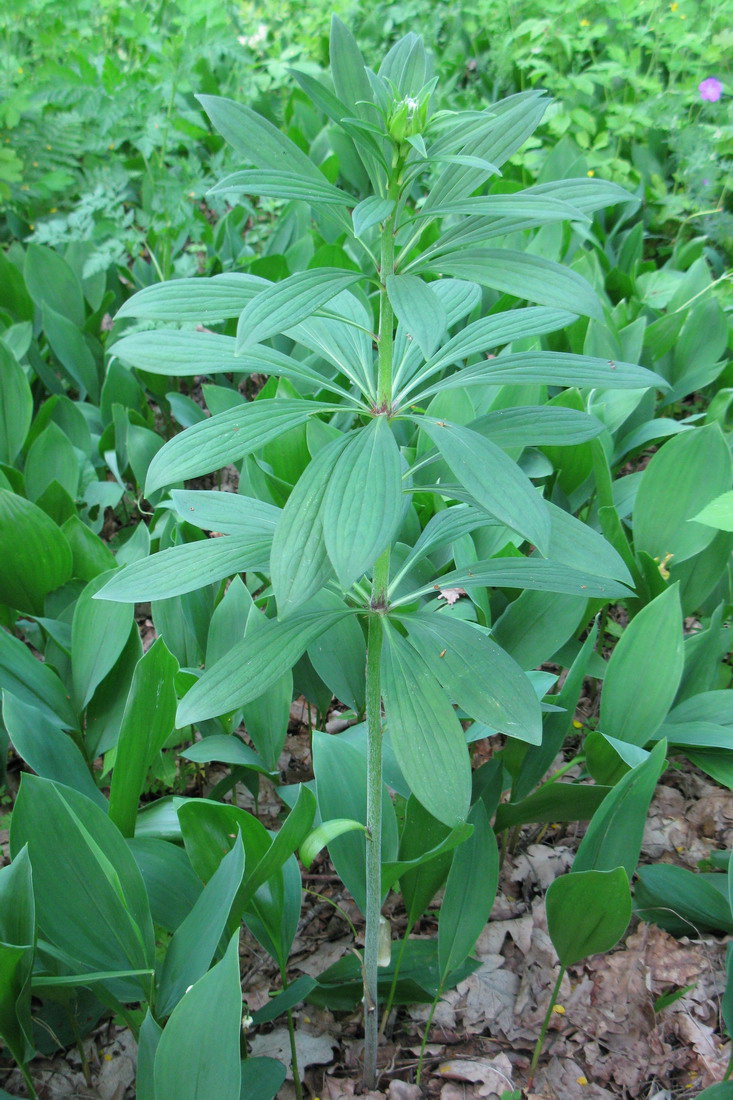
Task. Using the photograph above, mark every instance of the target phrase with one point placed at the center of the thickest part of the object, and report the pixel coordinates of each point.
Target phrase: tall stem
(380, 582)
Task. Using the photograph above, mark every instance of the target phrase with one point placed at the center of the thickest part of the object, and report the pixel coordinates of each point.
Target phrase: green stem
(28, 1082)
(545, 1024)
(424, 1043)
(395, 979)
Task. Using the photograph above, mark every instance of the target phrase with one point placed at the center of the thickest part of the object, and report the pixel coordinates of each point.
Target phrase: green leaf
(99, 632)
(552, 802)
(83, 868)
(684, 476)
(299, 562)
(363, 503)
(285, 304)
(146, 725)
(226, 513)
(521, 274)
(520, 205)
(718, 513)
(587, 913)
(67, 341)
(496, 483)
(282, 185)
(169, 880)
(226, 438)
(477, 674)
(644, 672)
(226, 749)
(370, 212)
(198, 1053)
(537, 426)
(469, 893)
(16, 405)
(295, 992)
(49, 752)
(252, 666)
(35, 554)
(339, 655)
(17, 945)
(682, 901)
(185, 568)
(262, 1078)
(203, 301)
(193, 946)
(613, 838)
(531, 573)
(34, 683)
(419, 309)
(550, 368)
(52, 282)
(322, 836)
(423, 874)
(426, 735)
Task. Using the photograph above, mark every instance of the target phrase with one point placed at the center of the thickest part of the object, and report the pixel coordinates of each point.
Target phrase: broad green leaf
(285, 304)
(426, 735)
(521, 274)
(82, 867)
(99, 633)
(35, 554)
(477, 675)
(537, 426)
(146, 725)
(422, 833)
(252, 666)
(226, 513)
(341, 788)
(362, 504)
(613, 838)
(262, 1078)
(576, 544)
(370, 212)
(227, 749)
(34, 683)
(339, 655)
(520, 205)
(322, 836)
(170, 881)
(49, 752)
(394, 871)
(537, 624)
(51, 457)
(90, 555)
(718, 513)
(550, 368)
(469, 893)
(17, 945)
(552, 802)
(204, 301)
(282, 185)
(299, 562)
(531, 573)
(419, 309)
(198, 1053)
(67, 340)
(193, 946)
(184, 568)
(587, 913)
(16, 405)
(295, 992)
(644, 672)
(52, 282)
(496, 483)
(684, 476)
(186, 353)
(226, 438)
(682, 901)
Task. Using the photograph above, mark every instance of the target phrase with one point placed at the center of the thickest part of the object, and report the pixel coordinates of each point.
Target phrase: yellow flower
(585, 22)
(577, 725)
(581, 1080)
(590, 172)
(558, 1009)
(673, 7)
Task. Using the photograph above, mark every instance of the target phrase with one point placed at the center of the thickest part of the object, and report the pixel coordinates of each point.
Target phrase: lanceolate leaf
(203, 301)
(226, 513)
(587, 912)
(283, 305)
(363, 502)
(99, 632)
(226, 438)
(282, 185)
(521, 274)
(531, 573)
(496, 483)
(552, 369)
(186, 354)
(537, 426)
(185, 568)
(419, 309)
(426, 735)
(252, 666)
(36, 558)
(17, 945)
(478, 675)
(469, 893)
(299, 563)
(34, 683)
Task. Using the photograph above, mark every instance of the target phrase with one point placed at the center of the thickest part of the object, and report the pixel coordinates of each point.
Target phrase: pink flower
(710, 90)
